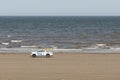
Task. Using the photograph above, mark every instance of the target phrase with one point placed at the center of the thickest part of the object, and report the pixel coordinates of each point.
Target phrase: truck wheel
(47, 55)
(34, 55)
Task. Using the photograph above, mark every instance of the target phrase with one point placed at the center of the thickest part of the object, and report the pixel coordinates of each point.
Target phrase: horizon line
(60, 15)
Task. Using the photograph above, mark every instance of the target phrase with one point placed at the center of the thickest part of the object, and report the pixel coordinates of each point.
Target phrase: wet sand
(63, 66)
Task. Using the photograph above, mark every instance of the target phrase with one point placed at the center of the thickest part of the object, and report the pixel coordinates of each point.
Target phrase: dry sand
(64, 66)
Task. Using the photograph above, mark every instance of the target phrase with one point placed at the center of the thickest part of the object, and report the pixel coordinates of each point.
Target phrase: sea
(61, 31)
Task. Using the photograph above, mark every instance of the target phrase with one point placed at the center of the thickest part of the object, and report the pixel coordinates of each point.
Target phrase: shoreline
(29, 50)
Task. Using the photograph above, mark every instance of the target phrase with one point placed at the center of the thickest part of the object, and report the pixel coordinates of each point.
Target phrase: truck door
(40, 53)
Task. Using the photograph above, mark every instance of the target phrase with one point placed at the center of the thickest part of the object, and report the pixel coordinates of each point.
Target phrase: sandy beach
(63, 66)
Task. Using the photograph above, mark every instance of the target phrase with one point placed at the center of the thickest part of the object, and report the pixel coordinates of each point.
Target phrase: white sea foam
(5, 43)
(9, 36)
(16, 41)
(28, 46)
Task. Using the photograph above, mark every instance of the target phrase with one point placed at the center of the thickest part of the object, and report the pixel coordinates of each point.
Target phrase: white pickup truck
(42, 53)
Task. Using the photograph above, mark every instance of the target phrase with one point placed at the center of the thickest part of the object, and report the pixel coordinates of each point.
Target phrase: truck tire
(47, 55)
(34, 55)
